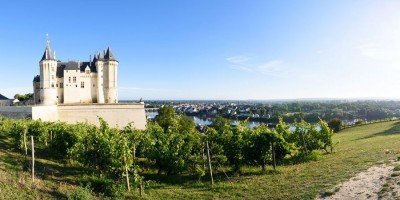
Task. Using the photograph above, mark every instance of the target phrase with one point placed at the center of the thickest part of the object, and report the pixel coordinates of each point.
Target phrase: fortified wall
(116, 115)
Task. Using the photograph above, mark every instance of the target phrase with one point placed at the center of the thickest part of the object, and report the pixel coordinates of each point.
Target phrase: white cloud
(241, 59)
(272, 68)
(373, 50)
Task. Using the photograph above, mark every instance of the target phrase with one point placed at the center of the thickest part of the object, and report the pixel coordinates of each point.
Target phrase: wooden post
(25, 145)
(33, 160)
(127, 174)
(203, 156)
(273, 155)
(209, 164)
(141, 188)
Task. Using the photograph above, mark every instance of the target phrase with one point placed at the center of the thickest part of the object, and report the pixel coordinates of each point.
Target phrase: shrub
(107, 187)
(81, 193)
(335, 124)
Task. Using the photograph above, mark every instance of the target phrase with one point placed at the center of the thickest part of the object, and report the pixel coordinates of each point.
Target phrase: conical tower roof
(109, 55)
(48, 54)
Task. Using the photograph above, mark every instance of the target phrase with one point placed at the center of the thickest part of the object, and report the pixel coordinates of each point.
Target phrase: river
(207, 121)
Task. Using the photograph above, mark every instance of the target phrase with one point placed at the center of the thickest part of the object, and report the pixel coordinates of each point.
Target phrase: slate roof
(73, 65)
(36, 78)
(48, 55)
(3, 97)
(109, 55)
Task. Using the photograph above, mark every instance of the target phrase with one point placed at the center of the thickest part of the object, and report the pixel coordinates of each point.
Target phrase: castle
(78, 92)
(76, 82)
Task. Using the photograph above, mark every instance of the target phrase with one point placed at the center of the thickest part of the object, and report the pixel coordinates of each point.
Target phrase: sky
(213, 50)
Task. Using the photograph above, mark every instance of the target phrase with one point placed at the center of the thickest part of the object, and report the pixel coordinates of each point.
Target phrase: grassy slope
(357, 149)
(53, 179)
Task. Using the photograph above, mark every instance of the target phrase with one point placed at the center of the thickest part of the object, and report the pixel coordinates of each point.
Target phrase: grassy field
(356, 150)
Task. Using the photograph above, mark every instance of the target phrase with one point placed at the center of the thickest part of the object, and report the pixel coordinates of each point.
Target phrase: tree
(172, 148)
(326, 134)
(220, 123)
(23, 97)
(335, 124)
(165, 117)
(264, 145)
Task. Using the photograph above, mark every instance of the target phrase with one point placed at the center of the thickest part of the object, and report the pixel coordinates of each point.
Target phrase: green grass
(357, 149)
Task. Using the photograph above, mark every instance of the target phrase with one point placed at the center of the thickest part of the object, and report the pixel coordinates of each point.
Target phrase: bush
(81, 193)
(335, 124)
(303, 157)
(107, 187)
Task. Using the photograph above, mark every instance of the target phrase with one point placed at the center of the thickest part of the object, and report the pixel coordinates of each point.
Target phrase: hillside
(356, 150)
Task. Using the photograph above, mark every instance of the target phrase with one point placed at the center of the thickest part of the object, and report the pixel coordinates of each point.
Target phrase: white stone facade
(76, 82)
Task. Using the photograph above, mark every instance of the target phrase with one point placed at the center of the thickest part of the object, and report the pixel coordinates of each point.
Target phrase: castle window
(69, 79)
(52, 85)
(56, 84)
(52, 77)
(82, 84)
(74, 79)
(61, 85)
(94, 85)
(52, 69)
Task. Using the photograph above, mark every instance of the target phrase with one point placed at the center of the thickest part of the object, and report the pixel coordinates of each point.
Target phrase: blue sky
(207, 49)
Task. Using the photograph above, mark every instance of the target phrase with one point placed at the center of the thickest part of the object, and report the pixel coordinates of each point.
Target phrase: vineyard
(169, 158)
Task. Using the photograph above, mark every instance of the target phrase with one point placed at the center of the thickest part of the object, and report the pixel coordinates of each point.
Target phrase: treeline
(118, 158)
(309, 111)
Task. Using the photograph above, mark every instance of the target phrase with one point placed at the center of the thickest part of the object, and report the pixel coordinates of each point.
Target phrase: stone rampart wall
(16, 112)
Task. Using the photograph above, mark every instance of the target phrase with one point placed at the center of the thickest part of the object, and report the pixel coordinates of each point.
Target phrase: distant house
(4, 101)
(15, 102)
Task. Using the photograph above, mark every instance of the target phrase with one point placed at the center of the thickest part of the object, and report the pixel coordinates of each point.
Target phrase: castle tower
(48, 68)
(99, 62)
(110, 77)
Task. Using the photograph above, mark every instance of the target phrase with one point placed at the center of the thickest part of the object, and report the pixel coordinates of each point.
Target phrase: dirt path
(378, 182)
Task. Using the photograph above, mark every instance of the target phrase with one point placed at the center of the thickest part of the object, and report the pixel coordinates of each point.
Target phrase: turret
(48, 69)
(107, 72)
(110, 77)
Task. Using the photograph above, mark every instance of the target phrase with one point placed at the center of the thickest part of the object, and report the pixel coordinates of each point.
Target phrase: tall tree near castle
(23, 97)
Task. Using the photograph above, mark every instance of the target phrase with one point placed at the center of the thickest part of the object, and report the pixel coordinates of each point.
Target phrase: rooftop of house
(3, 97)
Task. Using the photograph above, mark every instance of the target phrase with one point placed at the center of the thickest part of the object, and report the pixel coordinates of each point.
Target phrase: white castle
(76, 82)
(76, 91)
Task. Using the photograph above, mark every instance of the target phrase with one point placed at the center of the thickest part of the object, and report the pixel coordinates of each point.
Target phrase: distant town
(350, 111)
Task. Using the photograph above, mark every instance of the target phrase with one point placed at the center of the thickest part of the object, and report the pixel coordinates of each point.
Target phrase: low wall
(16, 112)
(116, 115)
(45, 113)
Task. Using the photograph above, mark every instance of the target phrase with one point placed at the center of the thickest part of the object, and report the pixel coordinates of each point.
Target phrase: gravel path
(378, 182)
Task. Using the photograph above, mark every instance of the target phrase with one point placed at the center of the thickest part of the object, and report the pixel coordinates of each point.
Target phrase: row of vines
(170, 145)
